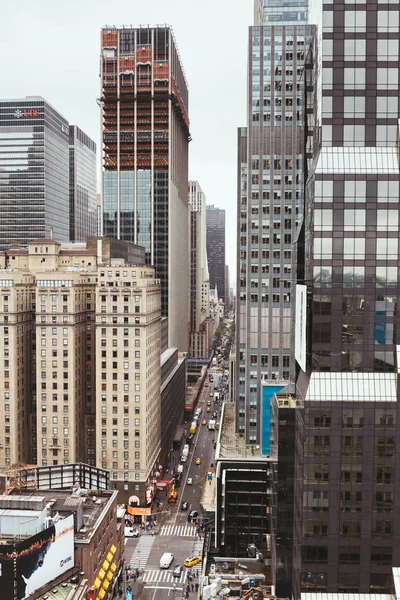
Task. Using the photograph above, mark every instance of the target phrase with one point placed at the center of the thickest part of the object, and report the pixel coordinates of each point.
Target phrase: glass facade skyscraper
(82, 185)
(216, 249)
(145, 138)
(347, 520)
(34, 172)
(270, 167)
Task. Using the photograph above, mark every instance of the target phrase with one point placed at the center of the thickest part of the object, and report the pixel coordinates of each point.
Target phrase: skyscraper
(34, 171)
(270, 163)
(82, 185)
(348, 505)
(216, 249)
(200, 333)
(145, 135)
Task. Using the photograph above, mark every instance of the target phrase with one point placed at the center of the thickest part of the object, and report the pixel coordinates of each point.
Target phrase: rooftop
(352, 387)
(95, 504)
(232, 445)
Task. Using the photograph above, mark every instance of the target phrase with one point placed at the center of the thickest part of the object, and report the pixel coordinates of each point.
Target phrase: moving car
(208, 408)
(204, 422)
(190, 561)
(184, 505)
(198, 460)
(166, 560)
(189, 481)
(177, 571)
(192, 516)
(130, 532)
(211, 394)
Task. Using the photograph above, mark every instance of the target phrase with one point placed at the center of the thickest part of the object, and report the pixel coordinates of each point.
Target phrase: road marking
(178, 530)
(154, 575)
(162, 587)
(141, 553)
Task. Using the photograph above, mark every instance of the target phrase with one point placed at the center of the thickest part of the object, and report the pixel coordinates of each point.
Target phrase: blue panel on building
(267, 392)
(380, 328)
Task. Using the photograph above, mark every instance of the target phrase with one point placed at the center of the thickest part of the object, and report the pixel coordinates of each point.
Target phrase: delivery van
(166, 560)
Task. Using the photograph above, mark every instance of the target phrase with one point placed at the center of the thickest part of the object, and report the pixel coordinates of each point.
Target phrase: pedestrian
(188, 588)
(197, 587)
(192, 586)
(137, 571)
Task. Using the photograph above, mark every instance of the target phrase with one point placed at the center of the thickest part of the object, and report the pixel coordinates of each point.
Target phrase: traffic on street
(167, 560)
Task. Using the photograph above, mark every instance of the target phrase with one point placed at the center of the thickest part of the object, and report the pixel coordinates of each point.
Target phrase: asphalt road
(175, 534)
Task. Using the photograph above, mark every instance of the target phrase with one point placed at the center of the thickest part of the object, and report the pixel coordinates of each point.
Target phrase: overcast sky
(51, 48)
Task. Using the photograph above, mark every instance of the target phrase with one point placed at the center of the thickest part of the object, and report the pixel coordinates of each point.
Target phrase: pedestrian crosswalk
(178, 530)
(164, 576)
(141, 552)
(197, 549)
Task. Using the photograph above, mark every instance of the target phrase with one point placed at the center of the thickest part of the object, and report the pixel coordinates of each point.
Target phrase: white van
(180, 468)
(166, 560)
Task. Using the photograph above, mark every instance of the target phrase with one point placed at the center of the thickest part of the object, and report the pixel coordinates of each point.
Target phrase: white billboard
(301, 326)
(53, 554)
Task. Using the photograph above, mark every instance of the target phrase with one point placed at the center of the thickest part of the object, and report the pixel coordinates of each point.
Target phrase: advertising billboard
(30, 564)
(300, 326)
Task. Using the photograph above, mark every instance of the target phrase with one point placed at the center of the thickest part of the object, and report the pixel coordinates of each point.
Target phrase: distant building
(82, 185)
(216, 249)
(227, 289)
(200, 314)
(34, 172)
(145, 136)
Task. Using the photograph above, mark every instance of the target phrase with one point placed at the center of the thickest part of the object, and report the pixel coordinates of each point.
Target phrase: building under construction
(145, 131)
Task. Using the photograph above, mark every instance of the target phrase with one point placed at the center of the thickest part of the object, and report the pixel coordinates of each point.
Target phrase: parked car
(131, 532)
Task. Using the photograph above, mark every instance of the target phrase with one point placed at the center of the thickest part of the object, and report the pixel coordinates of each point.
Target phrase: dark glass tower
(347, 520)
(34, 172)
(216, 249)
(145, 135)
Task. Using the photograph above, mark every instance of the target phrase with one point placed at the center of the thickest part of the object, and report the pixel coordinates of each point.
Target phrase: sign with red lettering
(27, 112)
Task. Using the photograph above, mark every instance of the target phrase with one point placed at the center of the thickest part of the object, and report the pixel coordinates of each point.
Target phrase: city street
(175, 533)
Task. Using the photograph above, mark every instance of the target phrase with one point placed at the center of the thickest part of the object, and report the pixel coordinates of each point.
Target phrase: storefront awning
(138, 510)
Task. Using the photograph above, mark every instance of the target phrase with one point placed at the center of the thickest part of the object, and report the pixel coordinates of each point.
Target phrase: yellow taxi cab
(204, 422)
(190, 561)
(220, 369)
(208, 409)
(198, 461)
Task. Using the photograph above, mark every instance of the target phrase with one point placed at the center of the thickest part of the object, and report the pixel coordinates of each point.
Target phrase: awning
(138, 510)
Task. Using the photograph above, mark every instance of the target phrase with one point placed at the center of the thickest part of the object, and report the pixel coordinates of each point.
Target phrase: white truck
(211, 425)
